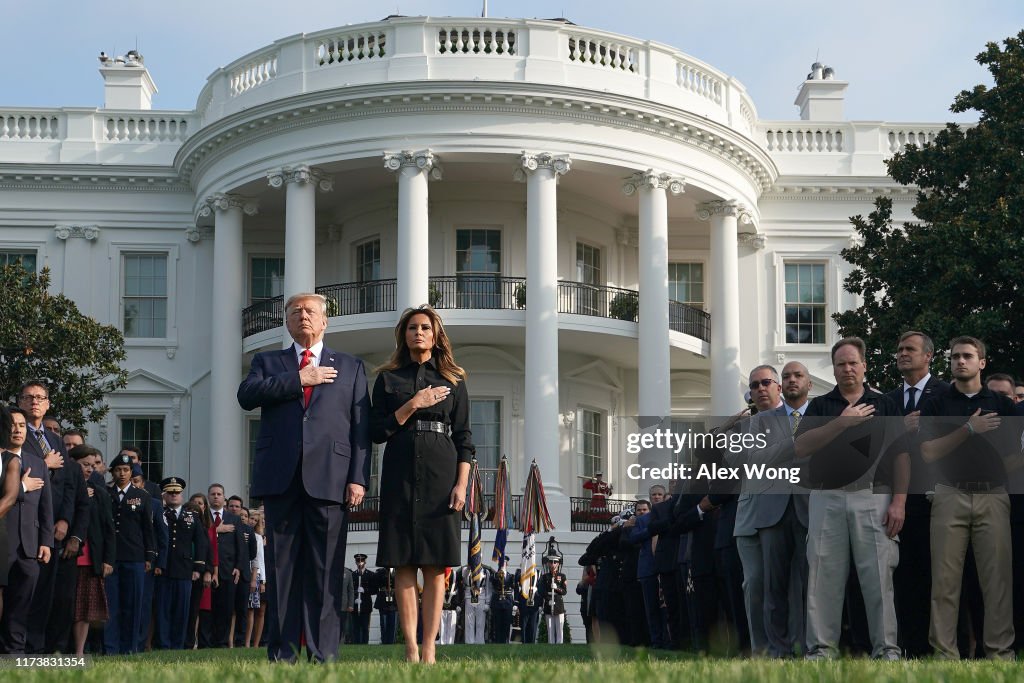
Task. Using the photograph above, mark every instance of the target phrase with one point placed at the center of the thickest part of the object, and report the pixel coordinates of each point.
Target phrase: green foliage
(624, 306)
(44, 336)
(434, 296)
(959, 270)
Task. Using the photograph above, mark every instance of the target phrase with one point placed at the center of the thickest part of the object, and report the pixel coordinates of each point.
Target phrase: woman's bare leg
(433, 597)
(405, 597)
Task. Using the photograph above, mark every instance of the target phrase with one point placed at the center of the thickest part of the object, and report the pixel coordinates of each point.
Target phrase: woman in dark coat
(421, 409)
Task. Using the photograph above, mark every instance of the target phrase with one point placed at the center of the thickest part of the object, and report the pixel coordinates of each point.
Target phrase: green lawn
(515, 664)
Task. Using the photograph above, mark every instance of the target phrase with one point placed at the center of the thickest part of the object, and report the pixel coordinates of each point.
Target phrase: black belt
(978, 486)
(428, 426)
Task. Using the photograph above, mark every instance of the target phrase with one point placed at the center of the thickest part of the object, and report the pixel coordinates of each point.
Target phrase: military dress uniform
(503, 589)
(187, 548)
(136, 545)
(384, 584)
(362, 585)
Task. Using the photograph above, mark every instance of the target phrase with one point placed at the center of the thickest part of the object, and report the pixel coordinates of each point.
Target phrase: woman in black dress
(421, 409)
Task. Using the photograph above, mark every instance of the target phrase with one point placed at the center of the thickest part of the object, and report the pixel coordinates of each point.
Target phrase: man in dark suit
(912, 579)
(215, 627)
(30, 537)
(311, 460)
(69, 509)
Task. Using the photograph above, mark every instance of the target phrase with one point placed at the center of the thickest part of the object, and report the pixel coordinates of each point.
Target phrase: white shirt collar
(919, 386)
(801, 409)
(125, 489)
(317, 349)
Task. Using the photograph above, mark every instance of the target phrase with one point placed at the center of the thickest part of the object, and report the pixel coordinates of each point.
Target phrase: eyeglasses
(761, 383)
(30, 398)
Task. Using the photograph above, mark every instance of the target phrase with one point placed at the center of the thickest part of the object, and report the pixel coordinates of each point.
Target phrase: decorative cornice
(96, 179)
(86, 232)
(302, 174)
(195, 233)
(424, 160)
(628, 237)
(655, 181)
(830, 192)
(529, 163)
(754, 240)
(222, 201)
(724, 207)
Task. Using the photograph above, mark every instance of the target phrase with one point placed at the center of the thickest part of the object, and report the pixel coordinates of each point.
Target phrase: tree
(45, 337)
(958, 271)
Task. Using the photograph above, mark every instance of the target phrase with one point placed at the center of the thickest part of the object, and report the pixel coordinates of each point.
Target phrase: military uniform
(384, 585)
(136, 545)
(187, 548)
(362, 584)
(503, 589)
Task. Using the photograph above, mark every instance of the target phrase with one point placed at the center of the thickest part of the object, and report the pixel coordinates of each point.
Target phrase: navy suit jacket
(331, 437)
(30, 521)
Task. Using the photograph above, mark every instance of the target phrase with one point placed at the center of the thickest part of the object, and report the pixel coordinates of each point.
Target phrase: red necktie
(307, 392)
(216, 519)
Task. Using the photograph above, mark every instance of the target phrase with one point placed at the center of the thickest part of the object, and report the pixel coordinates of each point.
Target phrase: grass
(515, 664)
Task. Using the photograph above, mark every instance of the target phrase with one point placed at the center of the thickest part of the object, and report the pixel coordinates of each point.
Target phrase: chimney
(126, 82)
(821, 95)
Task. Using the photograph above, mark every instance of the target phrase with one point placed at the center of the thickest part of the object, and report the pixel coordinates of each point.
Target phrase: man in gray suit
(771, 520)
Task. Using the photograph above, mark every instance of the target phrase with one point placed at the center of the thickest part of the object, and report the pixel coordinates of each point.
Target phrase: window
(27, 259)
(371, 298)
(590, 442)
(267, 278)
(805, 303)
(148, 434)
(485, 421)
(588, 272)
(145, 295)
(478, 267)
(686, 283)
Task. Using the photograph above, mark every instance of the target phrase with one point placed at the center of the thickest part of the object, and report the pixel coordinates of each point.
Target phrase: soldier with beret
(136, 555)
(188, 546)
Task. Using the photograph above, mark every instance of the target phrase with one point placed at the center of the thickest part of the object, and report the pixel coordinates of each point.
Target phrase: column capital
(558, 164)
(87, 232)
(424, 160)
(655, 181)
(724, 207)
(222, 201)
(300, 173)
(195, 233)
(754, 240)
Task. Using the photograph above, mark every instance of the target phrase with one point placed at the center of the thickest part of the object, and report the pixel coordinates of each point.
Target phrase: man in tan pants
(965, 437)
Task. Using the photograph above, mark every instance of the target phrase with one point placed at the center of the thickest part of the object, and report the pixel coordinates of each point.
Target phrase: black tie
(170, 517)
(121, 497)
(911, 403)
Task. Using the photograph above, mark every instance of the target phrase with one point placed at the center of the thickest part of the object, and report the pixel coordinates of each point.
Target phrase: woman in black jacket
(98, 554)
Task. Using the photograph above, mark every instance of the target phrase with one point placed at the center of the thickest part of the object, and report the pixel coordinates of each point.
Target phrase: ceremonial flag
(535, 515)
(528, 569)
(472, 512)
(502, 515)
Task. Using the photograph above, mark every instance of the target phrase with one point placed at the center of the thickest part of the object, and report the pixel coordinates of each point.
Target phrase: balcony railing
(586, 517)
(366, 515)
(480, 292)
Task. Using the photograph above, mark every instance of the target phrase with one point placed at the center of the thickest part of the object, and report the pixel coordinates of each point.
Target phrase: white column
(727, 385)
(299, 223)
(413, 257)
(655, 399)
(227, 442)
(540, 171)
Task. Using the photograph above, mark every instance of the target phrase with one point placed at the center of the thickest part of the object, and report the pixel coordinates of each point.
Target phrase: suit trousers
(556, 628)
(785, 583)
(845, 527)
(62, 613)
(216, 629)
(501, 624)
(124, 603)
(305, 557)
(360, 628)
(754, 560)
(475, 621)
(983, 519)
(912, 580)
(656, 625)
(42, 604)
(146, 613)
(529, 622)
(388, 627)
(21, 585)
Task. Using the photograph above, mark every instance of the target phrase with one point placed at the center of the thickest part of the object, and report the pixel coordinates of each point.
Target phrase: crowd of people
(904, 536)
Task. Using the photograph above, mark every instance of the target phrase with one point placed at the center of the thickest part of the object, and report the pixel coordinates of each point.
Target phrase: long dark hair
(205, 515)
(441, 354)
(6, 424)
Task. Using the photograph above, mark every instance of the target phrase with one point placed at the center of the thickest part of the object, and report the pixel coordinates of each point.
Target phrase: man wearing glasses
(50, 619)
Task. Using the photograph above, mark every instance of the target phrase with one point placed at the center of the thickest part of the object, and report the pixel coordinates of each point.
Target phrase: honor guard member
(476, 603)
(450, 608)
(187, 548)
(502, 599)
(385, 604)
(136, 554)
(362, 585)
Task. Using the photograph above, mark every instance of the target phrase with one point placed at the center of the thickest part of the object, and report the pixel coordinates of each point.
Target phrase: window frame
(116, 254)
(250, 257)
(833, 285)
(146, 452)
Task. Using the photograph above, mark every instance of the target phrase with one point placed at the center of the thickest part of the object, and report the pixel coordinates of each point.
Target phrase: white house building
(529, 178)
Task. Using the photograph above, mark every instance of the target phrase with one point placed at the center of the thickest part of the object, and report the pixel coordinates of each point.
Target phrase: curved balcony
(481, 292)
(584, 516)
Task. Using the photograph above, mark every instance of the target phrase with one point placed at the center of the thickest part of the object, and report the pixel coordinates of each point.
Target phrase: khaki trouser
(983, 519)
